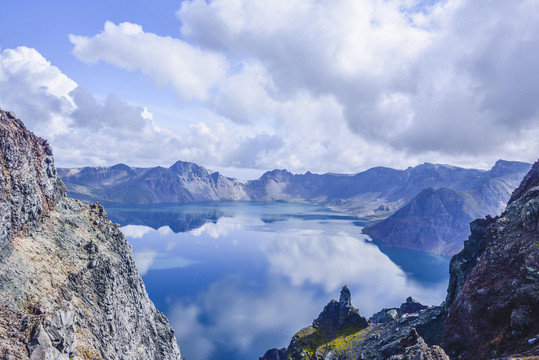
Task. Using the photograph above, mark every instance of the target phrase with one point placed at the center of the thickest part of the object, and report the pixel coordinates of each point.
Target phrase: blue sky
(246, 86)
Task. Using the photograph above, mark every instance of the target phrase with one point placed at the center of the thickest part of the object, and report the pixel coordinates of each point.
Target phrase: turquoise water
(238, 278)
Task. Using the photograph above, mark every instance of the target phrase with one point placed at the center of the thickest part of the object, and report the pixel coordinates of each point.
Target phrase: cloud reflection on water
(238, 317)
(246, 285)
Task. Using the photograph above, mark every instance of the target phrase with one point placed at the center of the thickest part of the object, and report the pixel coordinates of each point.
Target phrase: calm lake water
(238, 278)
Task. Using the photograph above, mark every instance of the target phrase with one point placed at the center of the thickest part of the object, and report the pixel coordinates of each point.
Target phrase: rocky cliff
(496, 311)
(69, 286)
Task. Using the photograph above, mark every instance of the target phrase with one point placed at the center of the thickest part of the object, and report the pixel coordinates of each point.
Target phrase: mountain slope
(437, 220)
(434, 221)
(68, 281)
(375, 193)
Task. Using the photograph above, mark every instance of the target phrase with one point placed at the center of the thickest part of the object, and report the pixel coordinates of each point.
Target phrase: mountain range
(426, 207)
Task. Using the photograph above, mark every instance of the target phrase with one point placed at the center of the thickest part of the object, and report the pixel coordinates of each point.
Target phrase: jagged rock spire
(346, 297)
(340, 314)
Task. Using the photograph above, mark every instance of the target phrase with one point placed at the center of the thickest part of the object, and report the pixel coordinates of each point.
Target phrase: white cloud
(241, 317)
(219, 229)
(144, 260)
(135, 231)
(190, 70)
(421, 80)
(304, 85)
(37, 91)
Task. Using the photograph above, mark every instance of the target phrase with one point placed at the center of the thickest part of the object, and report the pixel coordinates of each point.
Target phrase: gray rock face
(54, 338)
(68, 281)
(462, 263)
(416, 349)
(28, 182)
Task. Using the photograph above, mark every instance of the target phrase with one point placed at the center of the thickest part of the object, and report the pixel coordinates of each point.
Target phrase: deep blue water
(238, 278)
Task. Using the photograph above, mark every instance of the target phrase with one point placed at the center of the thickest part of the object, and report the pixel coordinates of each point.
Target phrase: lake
(238, 278)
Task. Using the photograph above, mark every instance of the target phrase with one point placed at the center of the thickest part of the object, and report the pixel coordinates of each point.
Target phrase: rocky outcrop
(416, 348)
(496, 310)
(340, 315)
(69, 286)
(339, 319)
(462, 263)
(29, 186)
(412, 306)
(274, 354)
(340, 332)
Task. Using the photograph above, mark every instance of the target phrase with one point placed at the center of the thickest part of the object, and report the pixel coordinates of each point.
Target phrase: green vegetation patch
(313, 340)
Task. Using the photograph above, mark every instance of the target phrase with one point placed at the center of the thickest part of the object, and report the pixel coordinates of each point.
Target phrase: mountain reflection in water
(237, 278)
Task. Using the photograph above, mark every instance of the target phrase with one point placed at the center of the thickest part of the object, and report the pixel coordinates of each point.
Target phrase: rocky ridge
(69, 286)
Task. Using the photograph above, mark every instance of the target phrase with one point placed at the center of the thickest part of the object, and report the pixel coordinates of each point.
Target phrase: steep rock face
(495, 313)
(462, 263)
(28, 182)
(69, 285)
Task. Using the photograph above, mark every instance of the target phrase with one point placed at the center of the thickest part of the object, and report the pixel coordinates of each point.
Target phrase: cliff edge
(69, 286)
(495, 312)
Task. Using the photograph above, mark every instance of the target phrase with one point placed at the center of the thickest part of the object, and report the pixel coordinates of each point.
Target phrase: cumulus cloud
(305, 85)
(86, 130)
(190, 70)
(37, 91)
(423, 78)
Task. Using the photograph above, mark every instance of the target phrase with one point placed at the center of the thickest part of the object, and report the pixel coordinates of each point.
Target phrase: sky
(245, 86)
